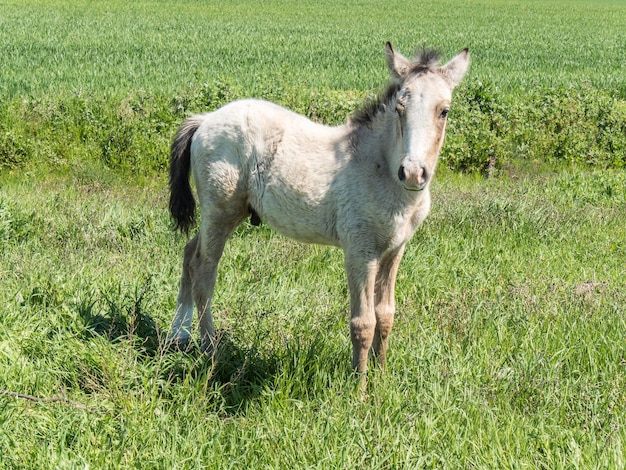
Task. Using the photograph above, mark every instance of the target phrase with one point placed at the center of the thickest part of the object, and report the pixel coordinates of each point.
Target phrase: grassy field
(109, 82)
(508, 351)
(160, 46)
(509, 348)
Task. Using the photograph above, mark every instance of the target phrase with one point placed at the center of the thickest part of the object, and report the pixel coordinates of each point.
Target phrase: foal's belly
(305, 236)
(307, 224)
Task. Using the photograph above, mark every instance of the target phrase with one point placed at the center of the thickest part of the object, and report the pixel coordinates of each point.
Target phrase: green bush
(579, 125)
(575, 124)
(476, 137)
(572, 125)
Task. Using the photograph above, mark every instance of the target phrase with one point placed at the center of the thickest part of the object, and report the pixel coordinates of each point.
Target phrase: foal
(362, 186)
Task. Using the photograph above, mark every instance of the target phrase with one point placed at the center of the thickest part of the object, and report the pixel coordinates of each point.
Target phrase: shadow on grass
(233, 375)
(296, 369)
(124, 318)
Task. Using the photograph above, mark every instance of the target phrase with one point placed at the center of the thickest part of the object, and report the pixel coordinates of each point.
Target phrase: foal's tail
(182, 202)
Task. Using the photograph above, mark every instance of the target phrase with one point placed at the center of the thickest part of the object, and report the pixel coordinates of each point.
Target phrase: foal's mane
(426, 61)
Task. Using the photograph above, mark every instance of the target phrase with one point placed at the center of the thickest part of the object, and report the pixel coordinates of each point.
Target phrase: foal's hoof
(362, 388)
(207, 347)
(178, 344)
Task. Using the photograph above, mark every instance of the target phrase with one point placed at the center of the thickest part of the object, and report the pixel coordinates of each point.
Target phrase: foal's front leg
(385, 303)
(361, 282)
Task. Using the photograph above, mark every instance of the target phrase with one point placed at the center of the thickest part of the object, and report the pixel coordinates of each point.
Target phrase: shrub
(478, 130)
(573, 125)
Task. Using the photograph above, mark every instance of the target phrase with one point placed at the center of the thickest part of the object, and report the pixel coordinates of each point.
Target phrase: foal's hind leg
(180, 331)
(385, 303)
(203, 269)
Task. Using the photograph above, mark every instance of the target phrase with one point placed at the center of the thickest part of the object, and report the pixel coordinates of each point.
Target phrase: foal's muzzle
(414, 179)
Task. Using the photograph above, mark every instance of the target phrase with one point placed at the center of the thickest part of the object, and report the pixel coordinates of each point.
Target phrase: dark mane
(425, 61)
(376, 105)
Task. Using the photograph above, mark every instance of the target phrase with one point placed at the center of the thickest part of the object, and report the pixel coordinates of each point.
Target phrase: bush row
(576, 124)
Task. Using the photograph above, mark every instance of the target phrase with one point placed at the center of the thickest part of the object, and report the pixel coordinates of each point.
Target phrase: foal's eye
(400, 107)
(444, 113)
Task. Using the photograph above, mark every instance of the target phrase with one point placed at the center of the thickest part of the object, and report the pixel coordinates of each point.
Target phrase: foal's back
(281, 165)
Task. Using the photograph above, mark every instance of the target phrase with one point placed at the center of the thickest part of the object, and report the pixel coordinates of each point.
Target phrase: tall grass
(60, 47)
(508, 348)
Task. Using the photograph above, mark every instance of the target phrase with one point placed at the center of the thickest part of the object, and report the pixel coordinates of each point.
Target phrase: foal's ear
(455, 70)
(397, 63)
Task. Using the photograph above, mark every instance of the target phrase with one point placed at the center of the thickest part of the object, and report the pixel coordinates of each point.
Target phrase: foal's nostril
(401, 174)
(424, 173)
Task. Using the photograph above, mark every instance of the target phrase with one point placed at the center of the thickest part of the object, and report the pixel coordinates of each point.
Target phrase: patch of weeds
(124, 317)
(16, 225)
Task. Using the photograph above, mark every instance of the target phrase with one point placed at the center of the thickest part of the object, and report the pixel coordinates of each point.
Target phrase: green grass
(63, 47)
(109, 82)
(509, 345)
(508, 348)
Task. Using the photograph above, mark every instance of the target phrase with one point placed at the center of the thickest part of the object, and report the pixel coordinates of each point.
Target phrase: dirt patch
(589, 287)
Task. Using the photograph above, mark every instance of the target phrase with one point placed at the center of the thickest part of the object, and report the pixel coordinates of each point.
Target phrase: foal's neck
(379, 138)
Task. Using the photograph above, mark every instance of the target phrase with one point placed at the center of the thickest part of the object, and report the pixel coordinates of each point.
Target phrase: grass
(81, 81)
(508, 348)
(112, 47)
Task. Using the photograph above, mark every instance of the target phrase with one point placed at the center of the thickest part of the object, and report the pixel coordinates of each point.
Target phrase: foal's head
(422, 104)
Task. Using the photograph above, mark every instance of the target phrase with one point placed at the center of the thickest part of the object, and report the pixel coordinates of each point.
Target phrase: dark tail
(182, 202)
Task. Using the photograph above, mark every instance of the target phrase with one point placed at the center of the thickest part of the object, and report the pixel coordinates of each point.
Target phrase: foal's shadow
(236, 374)
(119, 321)
(233, 374)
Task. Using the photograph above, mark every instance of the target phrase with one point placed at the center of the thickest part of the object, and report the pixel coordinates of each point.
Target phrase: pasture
(159, 46)
(508, 349)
